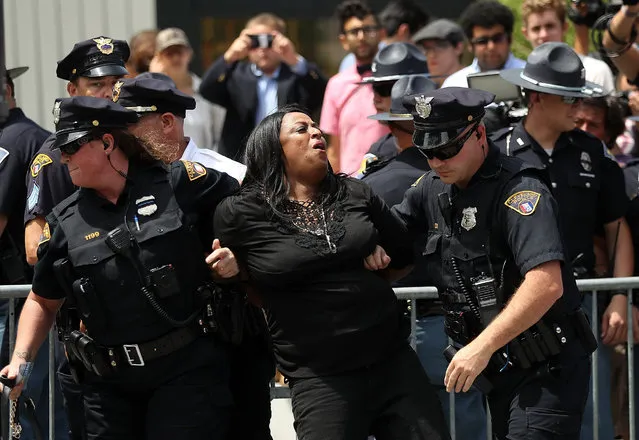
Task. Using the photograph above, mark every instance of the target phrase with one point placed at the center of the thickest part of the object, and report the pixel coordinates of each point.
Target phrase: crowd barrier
(412, 294)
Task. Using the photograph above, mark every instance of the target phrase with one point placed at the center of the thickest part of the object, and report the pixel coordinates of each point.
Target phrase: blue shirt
(267, 88)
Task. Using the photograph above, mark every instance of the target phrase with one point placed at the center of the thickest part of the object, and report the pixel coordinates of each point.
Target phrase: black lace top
(327, 314)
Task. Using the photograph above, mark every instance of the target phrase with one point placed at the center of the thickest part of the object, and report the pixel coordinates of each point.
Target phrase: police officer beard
(159, 147)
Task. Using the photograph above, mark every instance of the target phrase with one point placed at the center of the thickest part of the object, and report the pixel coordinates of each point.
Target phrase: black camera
(263, 41)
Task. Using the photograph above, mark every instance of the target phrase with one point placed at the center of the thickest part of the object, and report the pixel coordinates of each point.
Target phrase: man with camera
(260, 71)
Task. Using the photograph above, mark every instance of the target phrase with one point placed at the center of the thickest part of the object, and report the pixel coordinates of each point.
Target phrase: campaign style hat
(171, 37)
(396, 60)
(406, 85)
(441, 29)
(16, 71)
(556, 69)
(442, 115)
(100, 56)
(152, 92)
(78, 116)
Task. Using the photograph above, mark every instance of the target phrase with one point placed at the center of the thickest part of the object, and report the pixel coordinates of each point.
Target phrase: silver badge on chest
(469, 221)
(146, 205)
(586, 163)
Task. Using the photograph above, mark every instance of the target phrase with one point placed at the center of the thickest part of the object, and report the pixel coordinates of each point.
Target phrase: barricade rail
(412, 294)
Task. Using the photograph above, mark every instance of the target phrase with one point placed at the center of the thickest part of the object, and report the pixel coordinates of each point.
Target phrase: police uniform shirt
(385, 147)
(20, 139)
(587, 184)
(169, 212)
(48, 183)
(631, 177)
(506, 211)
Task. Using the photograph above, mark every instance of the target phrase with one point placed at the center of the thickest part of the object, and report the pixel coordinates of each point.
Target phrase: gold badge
(46, 234)
(422, 106)
(523, 202)
(104, 45)
(40, 161)
(116, 90)
(194, 170)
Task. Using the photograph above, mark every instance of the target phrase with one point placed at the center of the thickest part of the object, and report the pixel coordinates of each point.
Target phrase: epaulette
(501, 133)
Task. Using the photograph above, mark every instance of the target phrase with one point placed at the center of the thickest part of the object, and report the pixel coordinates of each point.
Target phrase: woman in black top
(301, 233)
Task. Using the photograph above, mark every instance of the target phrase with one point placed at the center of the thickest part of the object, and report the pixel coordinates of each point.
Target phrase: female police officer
(128, 248)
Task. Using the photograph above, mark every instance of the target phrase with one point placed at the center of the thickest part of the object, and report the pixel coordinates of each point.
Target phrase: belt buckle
(133, 355)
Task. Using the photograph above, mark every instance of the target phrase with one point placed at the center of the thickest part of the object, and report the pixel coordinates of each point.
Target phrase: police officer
(512, 305)
(391, 63)
(127, 249)
(390, 179)
(162, 108)
(586, 182)
(91, 69)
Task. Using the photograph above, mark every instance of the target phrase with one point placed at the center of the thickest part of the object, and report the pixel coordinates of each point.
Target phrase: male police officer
(390, 179)
(587, 184)
(162, 108)
(91, 68)
(484, 213)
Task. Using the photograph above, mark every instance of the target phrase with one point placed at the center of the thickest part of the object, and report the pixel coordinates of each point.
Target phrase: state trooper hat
(441, 116)
(556, 69)
(100, 56)
(150, 93)
(406, 85)
(16, 71)
(78, 116)
(396, 60)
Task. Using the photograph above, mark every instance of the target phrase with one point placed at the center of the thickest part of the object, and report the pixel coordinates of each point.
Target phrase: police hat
(16, 71)
(100, 56)
(441, 115)
(152, 92)
(406, 85)
(396, 60)
(556, 69)
(78, 116)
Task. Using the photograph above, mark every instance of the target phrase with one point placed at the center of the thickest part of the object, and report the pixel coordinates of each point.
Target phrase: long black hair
(265, 170)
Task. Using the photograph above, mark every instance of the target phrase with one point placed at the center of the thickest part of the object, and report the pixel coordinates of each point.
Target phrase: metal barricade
(412, 294)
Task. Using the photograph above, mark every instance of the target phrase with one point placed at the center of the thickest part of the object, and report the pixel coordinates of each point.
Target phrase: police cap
(407, 85)
(80, 115)
(442, 115)
(100, 56)
(152, 92)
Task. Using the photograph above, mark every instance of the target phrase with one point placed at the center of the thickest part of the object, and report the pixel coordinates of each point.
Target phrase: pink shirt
(344, 113)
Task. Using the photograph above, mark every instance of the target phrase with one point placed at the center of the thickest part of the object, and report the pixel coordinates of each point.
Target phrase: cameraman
(620, 38)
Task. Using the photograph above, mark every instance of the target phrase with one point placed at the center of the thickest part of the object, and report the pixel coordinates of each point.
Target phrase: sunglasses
(569, 99)
(496, 39)
(383, 89)
(449, 150)
(73, 147)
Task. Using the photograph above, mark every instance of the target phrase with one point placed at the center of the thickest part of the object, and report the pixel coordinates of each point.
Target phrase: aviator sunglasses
(451, 149)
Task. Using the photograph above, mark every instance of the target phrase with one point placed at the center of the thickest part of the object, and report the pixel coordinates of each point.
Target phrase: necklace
(309, 217)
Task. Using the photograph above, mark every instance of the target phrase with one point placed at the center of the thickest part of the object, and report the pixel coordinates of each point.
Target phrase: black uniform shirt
(588, 185)
(631, 177)
(385, 147)
(327, 314)
(48, 183)
(20, 139)
(505, 212)
(173, 227)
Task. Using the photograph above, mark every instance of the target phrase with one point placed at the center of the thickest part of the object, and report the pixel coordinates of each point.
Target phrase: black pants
(391, 400)
(183, 396)
(546, 403)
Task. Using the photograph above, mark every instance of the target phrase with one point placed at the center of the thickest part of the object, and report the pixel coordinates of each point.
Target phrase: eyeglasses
(73, 147)
(383, 89)
(496, 39)
(369, 31)
(450, 150)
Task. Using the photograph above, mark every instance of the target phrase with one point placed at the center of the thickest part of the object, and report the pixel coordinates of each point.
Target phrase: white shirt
(459, 78)
(599, 73)
(213, 159)
(204, 123)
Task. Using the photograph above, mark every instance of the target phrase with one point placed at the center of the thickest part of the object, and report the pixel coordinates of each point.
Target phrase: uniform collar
(520, 139)
(190, 150)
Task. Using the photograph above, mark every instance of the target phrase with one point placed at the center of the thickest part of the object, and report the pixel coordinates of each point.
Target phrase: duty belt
(137, 355)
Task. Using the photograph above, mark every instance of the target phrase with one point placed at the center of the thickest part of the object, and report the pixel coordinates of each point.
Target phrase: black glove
(596, 9)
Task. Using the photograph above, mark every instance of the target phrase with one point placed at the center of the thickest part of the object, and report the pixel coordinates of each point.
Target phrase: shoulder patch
(194, 170)
(46, 234)
(40, 161)
(3, 154)
(418, 180)
(523, 202)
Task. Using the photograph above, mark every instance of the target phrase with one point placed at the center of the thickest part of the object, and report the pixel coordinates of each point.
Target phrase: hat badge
(56, 112)
(104, 45)
(116, 90)
(422, 106)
